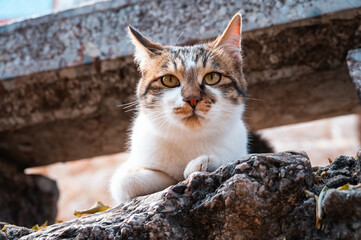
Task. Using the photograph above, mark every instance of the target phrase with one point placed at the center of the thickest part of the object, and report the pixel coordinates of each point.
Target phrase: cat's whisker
(254, 99)
(128, 104)
(178, 38)
(130, 110)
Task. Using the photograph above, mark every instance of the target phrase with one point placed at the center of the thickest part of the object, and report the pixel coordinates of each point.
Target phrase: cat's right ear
(144, 48)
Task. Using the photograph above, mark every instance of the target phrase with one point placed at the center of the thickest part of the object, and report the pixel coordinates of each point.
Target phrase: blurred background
(11, 10)
(85, 181)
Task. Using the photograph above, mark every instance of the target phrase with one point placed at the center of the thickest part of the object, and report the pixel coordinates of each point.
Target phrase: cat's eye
(212, 78)
(170, 81)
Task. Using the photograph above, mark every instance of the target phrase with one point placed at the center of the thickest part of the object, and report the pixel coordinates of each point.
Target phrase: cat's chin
(193, 121)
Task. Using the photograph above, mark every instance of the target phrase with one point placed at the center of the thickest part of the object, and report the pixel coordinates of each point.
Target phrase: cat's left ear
(230, 40)
(143, 46)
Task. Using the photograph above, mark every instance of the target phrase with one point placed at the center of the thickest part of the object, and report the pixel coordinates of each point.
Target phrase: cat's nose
(193, 100)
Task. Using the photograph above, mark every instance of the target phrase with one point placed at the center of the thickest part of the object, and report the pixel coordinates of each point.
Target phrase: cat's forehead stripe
(189, 57)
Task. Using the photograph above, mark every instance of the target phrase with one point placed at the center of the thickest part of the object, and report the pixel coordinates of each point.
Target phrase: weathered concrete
(80, 69)
(77, 36)
(77, 116)
(354, 66)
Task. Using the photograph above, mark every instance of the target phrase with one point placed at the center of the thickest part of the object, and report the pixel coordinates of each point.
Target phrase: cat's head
(192, 87)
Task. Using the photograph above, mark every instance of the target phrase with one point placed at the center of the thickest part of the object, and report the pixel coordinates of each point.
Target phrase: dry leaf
(309, 194)
(344, 187)
(319, 200)
(348, 186)
(97, 207)
(37, 227)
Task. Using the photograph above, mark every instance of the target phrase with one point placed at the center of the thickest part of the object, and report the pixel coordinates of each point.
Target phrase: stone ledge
(296, 73)
(354, 66)
(75, 37)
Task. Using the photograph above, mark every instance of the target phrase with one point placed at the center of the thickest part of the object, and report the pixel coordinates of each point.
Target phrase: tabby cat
(191, 101)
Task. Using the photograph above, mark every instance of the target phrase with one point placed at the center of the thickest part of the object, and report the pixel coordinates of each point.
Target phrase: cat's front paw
(199, 164)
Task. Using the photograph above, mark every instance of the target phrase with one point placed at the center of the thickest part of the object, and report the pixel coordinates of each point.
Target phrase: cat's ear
(230, 40)
(143, 46)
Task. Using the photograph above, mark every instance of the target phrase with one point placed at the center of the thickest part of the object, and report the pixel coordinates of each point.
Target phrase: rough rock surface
(9, 231)
(260, 196)
(354, 66)
(248, 199)
(26, 200)
(342, 209)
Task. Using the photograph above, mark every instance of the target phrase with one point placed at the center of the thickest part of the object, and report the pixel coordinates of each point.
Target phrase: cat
(191, 101)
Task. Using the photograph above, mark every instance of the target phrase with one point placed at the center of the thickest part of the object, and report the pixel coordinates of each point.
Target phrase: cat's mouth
(191, 117)
(194, 116)
(193, 120)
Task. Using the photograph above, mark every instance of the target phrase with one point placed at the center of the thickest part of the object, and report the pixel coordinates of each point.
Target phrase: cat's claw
(199, 164)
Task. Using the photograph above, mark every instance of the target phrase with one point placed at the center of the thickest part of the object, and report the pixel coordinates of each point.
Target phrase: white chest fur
(170, 152)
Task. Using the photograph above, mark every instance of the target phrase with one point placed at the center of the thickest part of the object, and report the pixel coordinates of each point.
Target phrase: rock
(342, 170)
(13, 232)
(247, 199)
(342, 209)
(260, 196)
(26, 200)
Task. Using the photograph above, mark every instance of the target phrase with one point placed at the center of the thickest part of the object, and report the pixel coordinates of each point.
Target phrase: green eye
(212, 78)
(170, 81)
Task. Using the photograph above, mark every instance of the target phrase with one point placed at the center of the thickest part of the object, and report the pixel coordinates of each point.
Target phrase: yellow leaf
(37, 227)
(97, 207)
(344, 187)
(4, 228)
(330, 160)
(44, 225)
(348, 186)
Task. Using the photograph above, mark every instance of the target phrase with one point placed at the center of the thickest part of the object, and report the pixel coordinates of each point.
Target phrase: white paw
(199, 164)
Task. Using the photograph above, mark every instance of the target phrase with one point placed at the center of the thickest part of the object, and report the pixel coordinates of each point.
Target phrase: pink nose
(193, 101)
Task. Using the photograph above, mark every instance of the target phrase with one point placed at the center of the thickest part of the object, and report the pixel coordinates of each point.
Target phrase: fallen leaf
(344, 187)
(309, 194)
(37, 227)
(348, 186)
(330, 160)
(319, 200)
(97, 207)
(4, 228)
